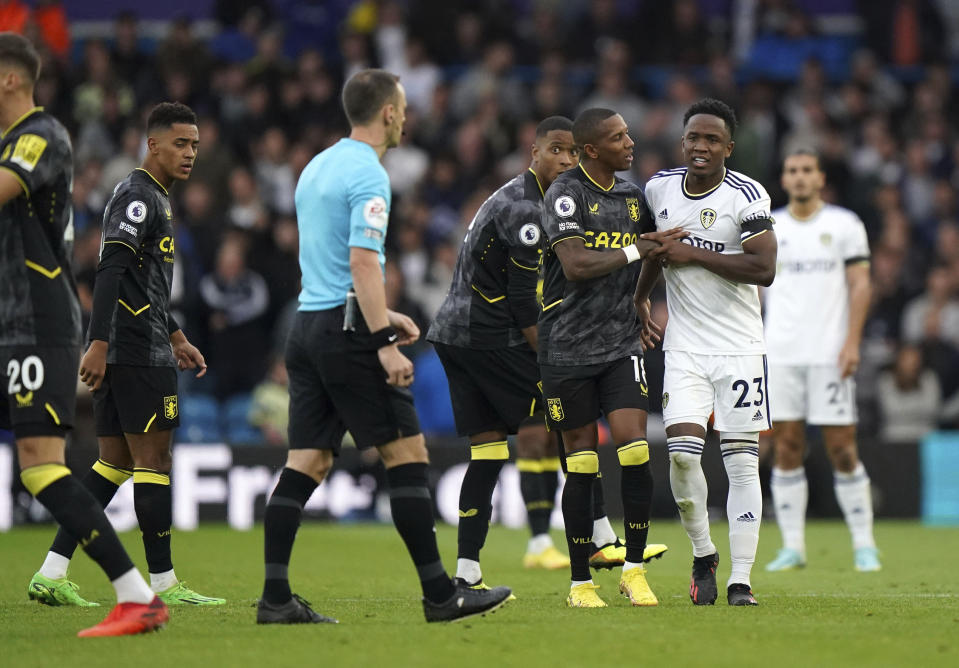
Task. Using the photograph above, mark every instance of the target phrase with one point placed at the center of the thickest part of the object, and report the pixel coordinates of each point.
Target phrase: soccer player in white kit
(715, 353)
(822, 286)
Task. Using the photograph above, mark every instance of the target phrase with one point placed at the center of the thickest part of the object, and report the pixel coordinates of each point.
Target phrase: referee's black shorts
(491, 390)
(576, 395)
(337, 384)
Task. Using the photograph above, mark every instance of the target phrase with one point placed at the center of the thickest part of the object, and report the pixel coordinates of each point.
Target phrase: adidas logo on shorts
(758, 416)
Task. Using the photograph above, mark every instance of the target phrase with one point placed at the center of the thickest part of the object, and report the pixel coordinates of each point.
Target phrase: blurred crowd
(873, 95)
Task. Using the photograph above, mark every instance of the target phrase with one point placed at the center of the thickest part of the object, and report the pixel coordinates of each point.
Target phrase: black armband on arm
(106, 289)
(755, 227)
(521, 294)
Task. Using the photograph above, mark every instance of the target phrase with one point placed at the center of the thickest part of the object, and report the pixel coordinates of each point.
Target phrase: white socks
(537, 544)
(790, 497)
(55, 566)
(469, 570)
(744, 504)
(603, 533)
(855, 498)
(162, 581)
(689, 490)
(132, 588)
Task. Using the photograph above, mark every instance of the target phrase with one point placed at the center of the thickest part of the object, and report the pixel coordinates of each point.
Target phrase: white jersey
(807, 306)
(709, 314)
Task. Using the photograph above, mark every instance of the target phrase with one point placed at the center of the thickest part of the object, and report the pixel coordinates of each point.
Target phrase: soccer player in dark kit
(591, 343)
(40, 331)
(131, 362)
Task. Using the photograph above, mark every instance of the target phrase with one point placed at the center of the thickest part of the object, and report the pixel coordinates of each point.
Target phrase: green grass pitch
(825, 615)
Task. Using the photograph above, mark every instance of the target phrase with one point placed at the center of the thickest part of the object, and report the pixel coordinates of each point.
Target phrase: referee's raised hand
(399, 369)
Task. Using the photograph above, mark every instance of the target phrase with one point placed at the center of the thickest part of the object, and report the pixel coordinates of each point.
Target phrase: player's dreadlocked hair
(165, 114)
(553, 123)
(586, 125)
(713, 107)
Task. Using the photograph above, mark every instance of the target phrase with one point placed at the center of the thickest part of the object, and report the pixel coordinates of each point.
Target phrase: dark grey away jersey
(504, 232)
(592, 321)
(38, 294)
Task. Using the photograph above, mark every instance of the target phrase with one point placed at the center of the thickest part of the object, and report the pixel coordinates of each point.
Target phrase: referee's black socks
(280, 523)
(637, 490)
(412, 508)
(102, 481)
(582, 467)
(486, 461)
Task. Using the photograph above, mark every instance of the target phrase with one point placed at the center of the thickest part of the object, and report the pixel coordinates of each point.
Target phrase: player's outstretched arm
(756, 265)
(860, 294)
(581, 263)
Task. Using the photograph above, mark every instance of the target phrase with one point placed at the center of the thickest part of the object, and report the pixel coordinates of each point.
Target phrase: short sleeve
(519, 227)
(647, 223)
(755, 213)
(855, 243)
(369, 202)
(562, 214)
(128, 216)
(34, 159)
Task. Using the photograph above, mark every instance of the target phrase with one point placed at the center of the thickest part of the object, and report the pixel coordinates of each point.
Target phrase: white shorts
(815, 394)
(731, 387)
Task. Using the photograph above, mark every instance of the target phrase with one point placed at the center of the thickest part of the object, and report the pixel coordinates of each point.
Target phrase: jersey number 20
(30, 372)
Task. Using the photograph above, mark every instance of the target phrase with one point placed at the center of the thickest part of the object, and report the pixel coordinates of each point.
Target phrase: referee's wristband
(384, 337)
(632, 253)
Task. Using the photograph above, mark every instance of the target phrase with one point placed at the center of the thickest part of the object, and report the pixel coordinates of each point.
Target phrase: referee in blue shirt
(345, 367)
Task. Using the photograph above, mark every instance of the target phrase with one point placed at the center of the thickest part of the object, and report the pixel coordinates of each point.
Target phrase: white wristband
(632, 253)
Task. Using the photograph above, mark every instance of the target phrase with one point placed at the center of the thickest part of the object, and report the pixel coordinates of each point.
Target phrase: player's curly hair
(713, 107)
(166, 114)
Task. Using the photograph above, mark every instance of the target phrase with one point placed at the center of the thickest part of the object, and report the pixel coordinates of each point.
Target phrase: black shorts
(491, 390)
(136, 399)
(576, 395)
(41, 394)
(337, 384)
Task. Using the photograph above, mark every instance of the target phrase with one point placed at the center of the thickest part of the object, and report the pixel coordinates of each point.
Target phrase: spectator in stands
(909, 398)
(236, 299)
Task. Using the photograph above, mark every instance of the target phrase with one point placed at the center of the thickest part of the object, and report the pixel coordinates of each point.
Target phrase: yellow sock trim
(114, 474)
(584, 461)
(494, 450)
(529, 465)
(550, 464)
(633, 454)
(151, 476)
(38, 478)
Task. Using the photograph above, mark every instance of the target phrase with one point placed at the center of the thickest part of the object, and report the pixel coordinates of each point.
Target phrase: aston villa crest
(632, 204)
(555, 408)
(707, 217)
(169, 407)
